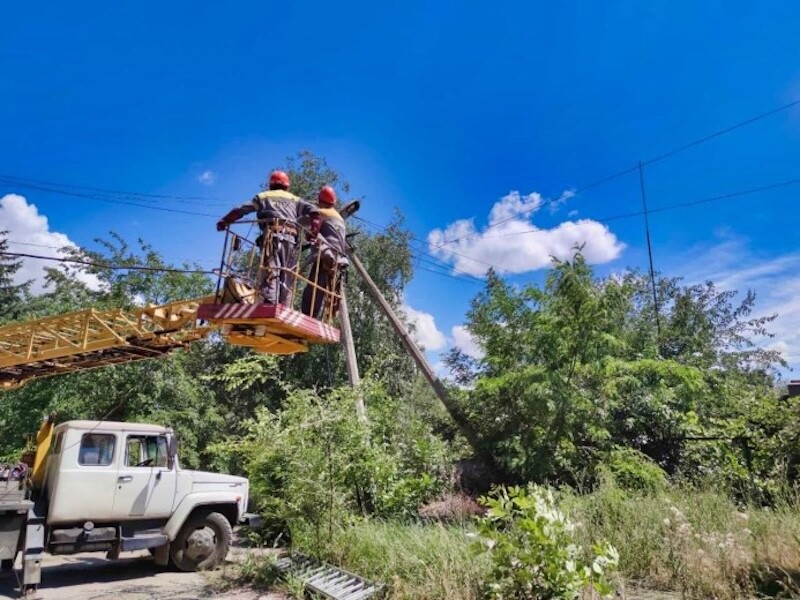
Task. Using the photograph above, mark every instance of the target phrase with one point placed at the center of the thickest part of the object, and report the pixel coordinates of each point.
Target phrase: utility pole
(649, 251)
(455, 413)
(350, 355)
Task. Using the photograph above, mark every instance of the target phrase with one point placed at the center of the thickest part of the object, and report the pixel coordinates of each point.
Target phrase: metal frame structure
(90, 338)
(268, 328)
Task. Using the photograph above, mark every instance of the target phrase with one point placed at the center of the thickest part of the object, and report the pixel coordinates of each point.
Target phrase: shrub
(314, 467)
(633, 470)
(532, 549)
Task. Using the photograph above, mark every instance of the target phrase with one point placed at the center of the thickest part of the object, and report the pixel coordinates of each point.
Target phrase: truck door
(145, 483)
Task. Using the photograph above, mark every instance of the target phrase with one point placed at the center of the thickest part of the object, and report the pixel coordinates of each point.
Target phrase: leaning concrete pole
(350, 354)
(455, 413)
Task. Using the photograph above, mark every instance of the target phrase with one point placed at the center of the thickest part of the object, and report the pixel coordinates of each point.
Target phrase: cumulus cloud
(732, 265)
(426, 333)
(513, 244)
(29, 232)
(207, 178)
(464, 341)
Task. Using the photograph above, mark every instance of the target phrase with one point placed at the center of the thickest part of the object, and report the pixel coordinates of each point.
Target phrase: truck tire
(202, 543)
(6, 564)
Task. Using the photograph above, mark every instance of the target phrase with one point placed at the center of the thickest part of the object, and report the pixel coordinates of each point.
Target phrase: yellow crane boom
(90, 338)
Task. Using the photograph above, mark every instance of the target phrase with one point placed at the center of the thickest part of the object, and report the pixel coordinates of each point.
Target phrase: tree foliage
(576, 368)
(12, 295)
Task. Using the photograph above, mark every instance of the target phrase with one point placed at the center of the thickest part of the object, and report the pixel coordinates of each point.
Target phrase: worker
(280, 214)
(329, 255)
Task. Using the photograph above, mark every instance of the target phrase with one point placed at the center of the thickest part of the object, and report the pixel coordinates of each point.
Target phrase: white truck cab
(111, 486)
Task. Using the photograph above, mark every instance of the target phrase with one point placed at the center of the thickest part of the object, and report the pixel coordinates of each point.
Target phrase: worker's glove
(315, 226)
(222, 224)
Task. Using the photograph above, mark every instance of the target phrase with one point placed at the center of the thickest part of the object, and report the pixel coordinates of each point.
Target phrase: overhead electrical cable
(668, 207)
(102, 265)
(635, 168)
(422, 248)
(92, 196)
(423, 254)
(75, 247)
(28, 182)
(122, 198)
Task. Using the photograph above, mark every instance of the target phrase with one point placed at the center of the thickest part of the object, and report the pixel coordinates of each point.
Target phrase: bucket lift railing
(244, 267)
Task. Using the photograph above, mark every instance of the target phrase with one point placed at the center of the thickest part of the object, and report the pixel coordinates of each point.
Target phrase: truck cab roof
(112, 426)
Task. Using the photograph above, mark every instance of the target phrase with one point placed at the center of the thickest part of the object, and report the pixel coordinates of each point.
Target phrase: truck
(100, 486)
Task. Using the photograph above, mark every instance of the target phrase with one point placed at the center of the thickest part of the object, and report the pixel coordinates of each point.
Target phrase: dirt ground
(134, 577)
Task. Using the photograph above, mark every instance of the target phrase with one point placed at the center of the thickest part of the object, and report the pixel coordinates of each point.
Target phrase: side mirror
(172, 450)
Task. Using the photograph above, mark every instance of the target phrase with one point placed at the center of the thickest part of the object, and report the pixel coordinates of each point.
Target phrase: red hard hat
(279, 178)
(327, 196)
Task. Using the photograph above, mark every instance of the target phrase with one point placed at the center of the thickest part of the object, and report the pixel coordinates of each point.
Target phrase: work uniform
(280, 213)
(330, 253)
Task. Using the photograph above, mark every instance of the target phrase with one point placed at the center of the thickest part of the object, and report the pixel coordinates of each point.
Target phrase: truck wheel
(202, 543)
(6, 564)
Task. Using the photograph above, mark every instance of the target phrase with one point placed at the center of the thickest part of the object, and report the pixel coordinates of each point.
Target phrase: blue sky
(439, 109)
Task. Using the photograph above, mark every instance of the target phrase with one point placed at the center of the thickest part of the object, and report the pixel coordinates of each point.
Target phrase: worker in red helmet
(329, 256)
(280, 215)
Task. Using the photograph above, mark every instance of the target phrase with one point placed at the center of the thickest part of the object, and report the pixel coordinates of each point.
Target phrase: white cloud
(464, 341)
(513, 244)
(732, 265)
(29, 233)
(426, 333)
(207, 178)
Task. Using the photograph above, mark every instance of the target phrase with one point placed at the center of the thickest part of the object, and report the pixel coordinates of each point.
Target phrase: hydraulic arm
(88, 339)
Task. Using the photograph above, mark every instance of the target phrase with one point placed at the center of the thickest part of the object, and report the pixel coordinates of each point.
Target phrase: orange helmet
(279, 179)
(327, 196)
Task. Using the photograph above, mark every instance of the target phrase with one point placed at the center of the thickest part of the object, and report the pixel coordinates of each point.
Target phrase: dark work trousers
(278, 275)
(322, 273)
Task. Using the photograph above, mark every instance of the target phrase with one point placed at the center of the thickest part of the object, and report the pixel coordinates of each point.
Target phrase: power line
(634, 168)
(100, 265)
(679, 205)
(424, 255)
(72, 246)
(24, 182)
(113, 200)
(42, 186)
(668, 207)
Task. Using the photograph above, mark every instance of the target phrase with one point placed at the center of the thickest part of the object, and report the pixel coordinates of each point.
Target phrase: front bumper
(252, 520)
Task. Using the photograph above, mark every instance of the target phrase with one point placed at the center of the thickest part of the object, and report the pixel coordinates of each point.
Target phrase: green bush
(533, 551)
(635, 471)
(315, 467)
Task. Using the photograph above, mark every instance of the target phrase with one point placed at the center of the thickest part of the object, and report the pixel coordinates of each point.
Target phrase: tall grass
(697, 542)
(418, 561)
(694, 542)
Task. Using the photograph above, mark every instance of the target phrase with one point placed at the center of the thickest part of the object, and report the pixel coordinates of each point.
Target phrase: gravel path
(133, 577)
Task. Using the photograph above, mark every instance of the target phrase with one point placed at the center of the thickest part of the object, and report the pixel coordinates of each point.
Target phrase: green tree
(12, 295)
(575, 368)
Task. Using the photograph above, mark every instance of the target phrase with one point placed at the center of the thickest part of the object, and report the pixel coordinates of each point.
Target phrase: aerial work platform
(242, 317)
(268, 328)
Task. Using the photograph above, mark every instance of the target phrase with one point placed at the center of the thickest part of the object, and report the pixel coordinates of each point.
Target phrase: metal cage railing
(245, 269)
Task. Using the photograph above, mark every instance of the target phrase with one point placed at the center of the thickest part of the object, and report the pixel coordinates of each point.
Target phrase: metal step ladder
(328, 581)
